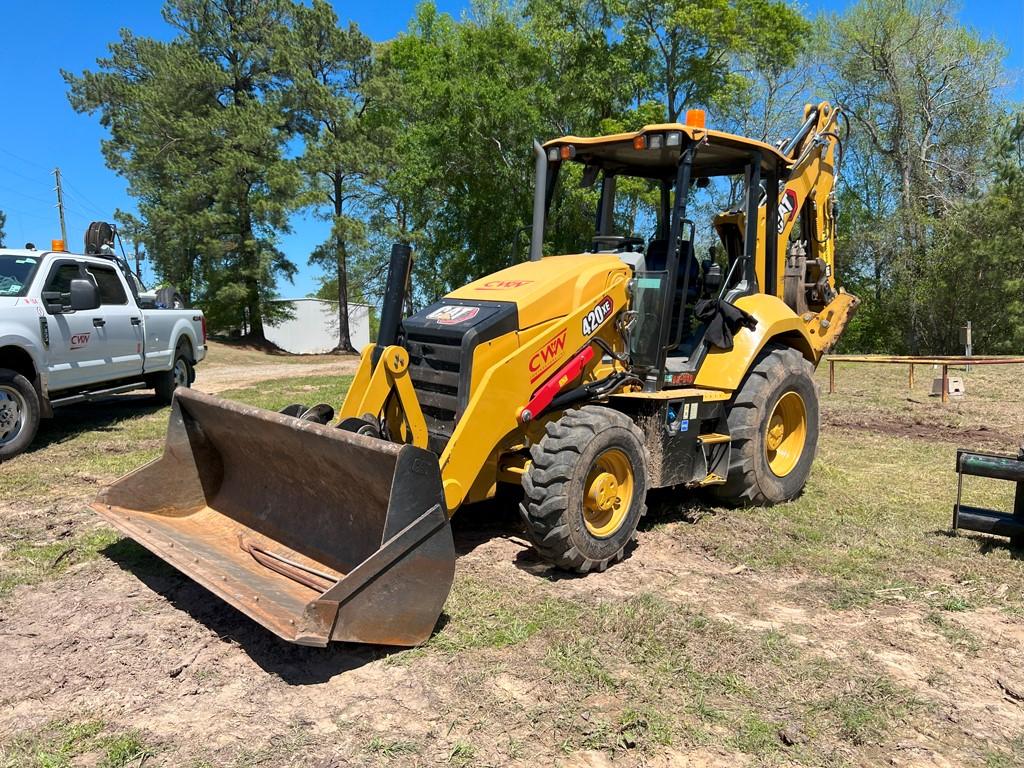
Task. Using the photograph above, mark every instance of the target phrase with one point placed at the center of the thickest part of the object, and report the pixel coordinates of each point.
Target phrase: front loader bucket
(317, 533)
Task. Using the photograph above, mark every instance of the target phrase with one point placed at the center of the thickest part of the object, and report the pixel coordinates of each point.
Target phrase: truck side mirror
(52, 302)
(84, 294)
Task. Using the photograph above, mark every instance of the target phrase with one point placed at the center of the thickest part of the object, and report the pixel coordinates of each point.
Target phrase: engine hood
(549, 288)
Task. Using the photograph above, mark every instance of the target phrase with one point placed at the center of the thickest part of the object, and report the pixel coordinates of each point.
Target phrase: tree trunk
(344, 334)
(251, 265)
(341, 254)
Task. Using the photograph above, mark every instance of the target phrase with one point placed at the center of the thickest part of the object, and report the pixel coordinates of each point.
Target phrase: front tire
(180, 375)
(585, 490)
(19, 413)
(773, 422)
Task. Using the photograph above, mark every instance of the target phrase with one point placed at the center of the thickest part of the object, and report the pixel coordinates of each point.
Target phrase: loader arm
(372, 388)
(803, 275)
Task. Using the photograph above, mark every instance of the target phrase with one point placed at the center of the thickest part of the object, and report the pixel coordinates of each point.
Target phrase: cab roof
(721, 153)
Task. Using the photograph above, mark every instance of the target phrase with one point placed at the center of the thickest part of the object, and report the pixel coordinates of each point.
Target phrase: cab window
(60, 280)
(111, 289)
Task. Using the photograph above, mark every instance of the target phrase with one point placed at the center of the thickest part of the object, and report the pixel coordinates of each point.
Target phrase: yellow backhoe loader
(587, 379)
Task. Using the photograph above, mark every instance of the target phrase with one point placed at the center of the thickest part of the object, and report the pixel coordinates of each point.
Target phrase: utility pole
(60, 207)
(138, 260)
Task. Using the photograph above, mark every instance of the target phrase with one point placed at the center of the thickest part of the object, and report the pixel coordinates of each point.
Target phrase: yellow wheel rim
(608, 493)
(786, 435)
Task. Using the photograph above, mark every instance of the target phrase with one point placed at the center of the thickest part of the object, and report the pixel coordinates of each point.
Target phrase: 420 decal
(593, 319)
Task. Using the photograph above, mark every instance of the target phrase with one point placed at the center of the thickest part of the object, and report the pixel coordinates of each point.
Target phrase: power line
(78, 200)
(22, 159)
(23, 176)
(82, 199)
(22, 196)
(25, 213)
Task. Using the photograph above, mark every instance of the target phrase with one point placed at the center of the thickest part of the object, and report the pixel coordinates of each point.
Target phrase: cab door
(74, 357)
(118, 324)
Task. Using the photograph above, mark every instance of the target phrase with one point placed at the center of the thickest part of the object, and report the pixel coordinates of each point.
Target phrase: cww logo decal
(547, 356)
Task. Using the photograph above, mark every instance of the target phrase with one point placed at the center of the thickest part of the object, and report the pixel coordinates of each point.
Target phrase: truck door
(118, 324)
(74, 357)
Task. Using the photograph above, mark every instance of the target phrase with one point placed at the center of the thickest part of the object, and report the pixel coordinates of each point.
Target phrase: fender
(31, 349)
(162, 358)
(725, 369)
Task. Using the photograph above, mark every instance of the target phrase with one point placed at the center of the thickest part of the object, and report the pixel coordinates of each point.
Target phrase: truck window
(16, 274)
(111, 289)
(60, 281)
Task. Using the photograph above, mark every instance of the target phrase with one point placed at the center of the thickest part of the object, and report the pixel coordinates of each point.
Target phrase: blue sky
(40, 130)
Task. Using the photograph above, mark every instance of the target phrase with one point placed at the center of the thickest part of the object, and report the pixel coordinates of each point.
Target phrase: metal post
(831, 377)
(945, 383)
(1018, 504)
(969, 348)
(60, 207)
(540, 176)
(910, 382)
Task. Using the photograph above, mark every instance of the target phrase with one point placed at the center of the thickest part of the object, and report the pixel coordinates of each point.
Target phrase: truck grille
(435, 367)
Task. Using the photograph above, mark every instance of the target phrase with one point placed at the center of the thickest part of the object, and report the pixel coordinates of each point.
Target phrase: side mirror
(53, 303)
(84, 294)
(712, 277)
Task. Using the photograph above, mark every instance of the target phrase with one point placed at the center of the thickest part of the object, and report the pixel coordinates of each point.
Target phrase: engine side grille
(435, 367)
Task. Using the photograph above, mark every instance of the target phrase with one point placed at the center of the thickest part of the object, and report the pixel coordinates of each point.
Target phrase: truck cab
(72, 329)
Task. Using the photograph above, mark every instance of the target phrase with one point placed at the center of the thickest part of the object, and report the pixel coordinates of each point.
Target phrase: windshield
(16, 274)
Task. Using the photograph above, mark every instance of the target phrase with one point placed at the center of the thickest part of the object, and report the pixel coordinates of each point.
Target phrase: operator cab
(642, 217)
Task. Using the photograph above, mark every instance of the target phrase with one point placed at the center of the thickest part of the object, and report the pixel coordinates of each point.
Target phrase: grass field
(847, 628)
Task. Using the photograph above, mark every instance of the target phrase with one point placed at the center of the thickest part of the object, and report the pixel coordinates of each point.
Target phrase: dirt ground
(846, 628)
(232, 368)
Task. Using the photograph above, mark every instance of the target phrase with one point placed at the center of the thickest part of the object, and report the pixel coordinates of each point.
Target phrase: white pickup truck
(72, 329)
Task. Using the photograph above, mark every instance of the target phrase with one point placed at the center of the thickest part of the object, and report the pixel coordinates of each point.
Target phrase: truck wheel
(180, 375)
(774, 427)
(585, 491)
(19, 413)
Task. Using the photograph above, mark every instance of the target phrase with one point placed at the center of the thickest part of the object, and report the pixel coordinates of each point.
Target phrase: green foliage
(3, 223)
(61, 744)
(686, 51)
(920, 90)
(466, 103)
(329, 66)
(198, 127)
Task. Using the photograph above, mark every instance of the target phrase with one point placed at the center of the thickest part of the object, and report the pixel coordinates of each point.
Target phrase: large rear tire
(773, 422)
(585, 491)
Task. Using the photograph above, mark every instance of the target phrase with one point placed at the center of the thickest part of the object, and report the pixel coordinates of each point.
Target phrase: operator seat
(657, 261)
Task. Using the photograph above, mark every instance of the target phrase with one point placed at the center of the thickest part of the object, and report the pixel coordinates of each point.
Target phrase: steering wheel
(618, 243)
